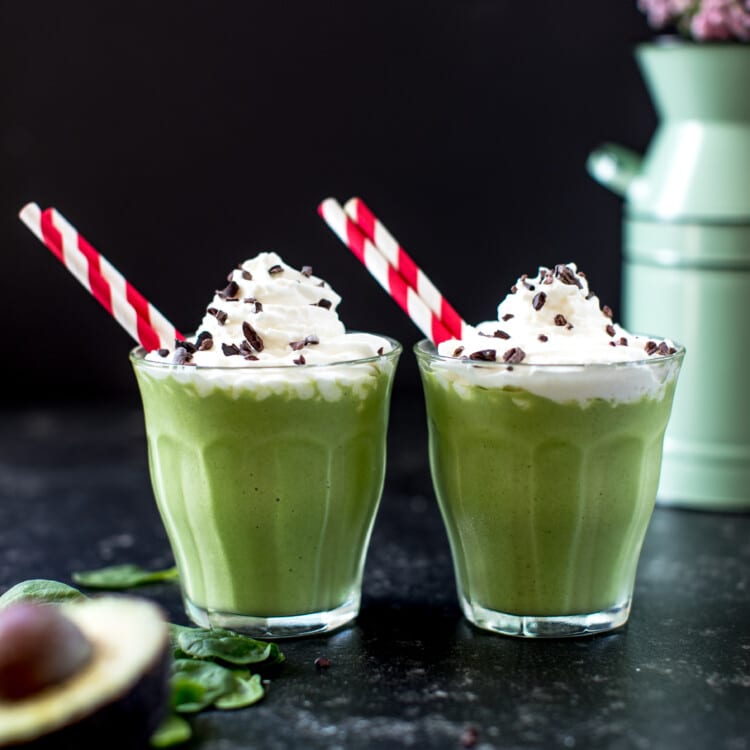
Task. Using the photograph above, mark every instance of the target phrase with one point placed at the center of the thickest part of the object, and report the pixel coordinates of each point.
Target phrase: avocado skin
(125, 723)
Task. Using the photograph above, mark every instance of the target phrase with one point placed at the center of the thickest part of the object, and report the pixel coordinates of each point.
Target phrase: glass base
(289, 626)
(547, 626)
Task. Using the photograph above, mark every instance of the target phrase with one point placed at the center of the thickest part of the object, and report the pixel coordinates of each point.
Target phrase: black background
(183, 136)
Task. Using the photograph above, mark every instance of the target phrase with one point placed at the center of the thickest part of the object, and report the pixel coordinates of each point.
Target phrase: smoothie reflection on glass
(266, 434)
(545, 431)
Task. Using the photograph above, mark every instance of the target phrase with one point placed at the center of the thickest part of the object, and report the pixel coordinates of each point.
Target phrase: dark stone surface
(74, 494)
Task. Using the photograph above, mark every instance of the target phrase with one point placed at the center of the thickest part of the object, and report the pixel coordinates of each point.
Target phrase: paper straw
(101, 279)
(386, 274)
(384, 241)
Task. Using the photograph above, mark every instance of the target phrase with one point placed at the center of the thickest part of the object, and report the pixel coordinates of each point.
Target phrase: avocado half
(117, 699)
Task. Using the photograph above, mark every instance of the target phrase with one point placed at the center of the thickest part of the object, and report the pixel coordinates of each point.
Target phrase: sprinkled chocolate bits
(539, 299)
(325, 303)
(560, 320)
(484, 355)
(230, 291)
(275, 270)
(507, 317)
(220, 315)
(252, 336)
(458, 351)
(255, 306)
(514, 356)
(543, 337)
(610, 329)
(567, 276)
(306, 271)
(651, 347)
(607, 310)
(300, 360)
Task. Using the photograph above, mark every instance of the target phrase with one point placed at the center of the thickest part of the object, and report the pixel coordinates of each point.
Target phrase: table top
(411, 672)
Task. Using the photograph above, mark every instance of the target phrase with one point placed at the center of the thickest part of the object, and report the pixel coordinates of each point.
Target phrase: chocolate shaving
(567, 276)
(246, 275)
(306, 271)
(230, 290)
(181, 356)
(543, 337)
(507, 317)
(163, 352)
(252, 336)
(273, 270)
(664, 348)
(297, 345)
(569, 326)
(612, 343)
(300, 360)
(514, 355)
(188, 346)
(220, 315)
(251, 357)
(324, 303)
(513, 289)
(524, 281)
(607, 310)
(458, 351)
(610, 329)
(380, 352)
(257, 306)
(484, 355)
(230, 350)
(312, 339)
(623, 341)
(651, 347)
(560, 320)
(539, 299)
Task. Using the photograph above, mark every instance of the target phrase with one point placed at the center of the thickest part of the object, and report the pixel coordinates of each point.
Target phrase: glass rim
(137, 356)
(426, 351)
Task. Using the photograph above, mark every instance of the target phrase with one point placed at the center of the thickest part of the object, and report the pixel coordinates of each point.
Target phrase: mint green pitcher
(686, 258)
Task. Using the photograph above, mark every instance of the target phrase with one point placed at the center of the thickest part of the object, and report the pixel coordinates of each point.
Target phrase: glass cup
(546, 477)
(268, 480)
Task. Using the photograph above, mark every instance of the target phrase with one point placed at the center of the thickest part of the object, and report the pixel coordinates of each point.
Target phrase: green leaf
(223, 645)
(40, 590)
(246, 692)
(197, 684)
(126, 576)
(174, 730)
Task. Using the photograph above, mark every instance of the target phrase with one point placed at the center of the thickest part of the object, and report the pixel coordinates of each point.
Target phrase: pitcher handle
(614, 166)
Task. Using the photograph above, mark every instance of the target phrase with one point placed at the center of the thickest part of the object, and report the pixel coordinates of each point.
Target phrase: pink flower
(721, 20)
(703, 20)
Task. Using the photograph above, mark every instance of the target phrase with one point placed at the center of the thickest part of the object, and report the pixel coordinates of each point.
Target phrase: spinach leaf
(174, 730)
(126, 576)
(197, 684)
(247, 690)
(40, 590)
(223, 645)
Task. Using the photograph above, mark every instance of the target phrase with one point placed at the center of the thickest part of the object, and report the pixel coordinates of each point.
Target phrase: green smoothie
(545, 502)
(268, 494)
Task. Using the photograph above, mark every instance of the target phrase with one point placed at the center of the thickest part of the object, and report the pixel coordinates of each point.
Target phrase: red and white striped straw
(100, 278)
(384, 241)
(385, 273)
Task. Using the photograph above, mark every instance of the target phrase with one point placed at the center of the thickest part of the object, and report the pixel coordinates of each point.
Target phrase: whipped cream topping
(555, 340)
(554, 318)
(269, 313)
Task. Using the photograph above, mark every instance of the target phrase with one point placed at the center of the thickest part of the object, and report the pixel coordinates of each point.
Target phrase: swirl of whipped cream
(554, 318)
(272, 314)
